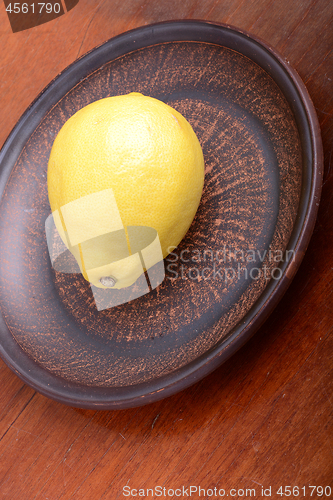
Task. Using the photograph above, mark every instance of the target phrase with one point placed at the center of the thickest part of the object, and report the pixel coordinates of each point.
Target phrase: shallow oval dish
(263, 159)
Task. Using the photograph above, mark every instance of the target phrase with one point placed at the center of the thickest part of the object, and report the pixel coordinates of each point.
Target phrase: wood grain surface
(263, 419)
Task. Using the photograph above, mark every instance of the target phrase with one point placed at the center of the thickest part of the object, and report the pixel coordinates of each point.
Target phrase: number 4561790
(25, 8)
(295, 491)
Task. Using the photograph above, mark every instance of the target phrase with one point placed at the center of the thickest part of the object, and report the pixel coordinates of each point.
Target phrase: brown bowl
(263, 155)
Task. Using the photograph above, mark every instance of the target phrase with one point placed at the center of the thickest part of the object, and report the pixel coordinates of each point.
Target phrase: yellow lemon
(117, 165)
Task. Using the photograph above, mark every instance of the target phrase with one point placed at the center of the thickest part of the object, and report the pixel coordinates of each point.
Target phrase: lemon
(121, 163)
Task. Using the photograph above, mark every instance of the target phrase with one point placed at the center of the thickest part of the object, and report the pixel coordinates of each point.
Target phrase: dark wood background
(263, 419)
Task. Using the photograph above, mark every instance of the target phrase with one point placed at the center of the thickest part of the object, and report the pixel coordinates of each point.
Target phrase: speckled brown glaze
(252, 192)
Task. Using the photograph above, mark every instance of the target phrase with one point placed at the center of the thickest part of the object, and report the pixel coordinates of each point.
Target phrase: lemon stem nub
(108, 281)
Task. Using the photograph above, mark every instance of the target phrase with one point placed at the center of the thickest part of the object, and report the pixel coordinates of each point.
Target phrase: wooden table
(262, 420)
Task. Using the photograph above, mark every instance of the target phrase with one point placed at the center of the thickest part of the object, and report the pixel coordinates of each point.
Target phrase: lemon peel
(123, 161)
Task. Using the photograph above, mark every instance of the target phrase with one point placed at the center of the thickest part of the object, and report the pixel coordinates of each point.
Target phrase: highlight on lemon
(125, 178)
